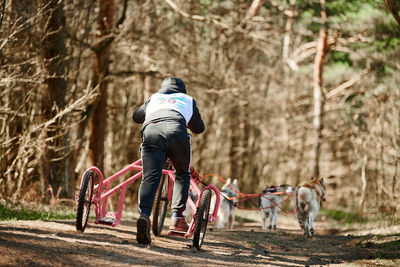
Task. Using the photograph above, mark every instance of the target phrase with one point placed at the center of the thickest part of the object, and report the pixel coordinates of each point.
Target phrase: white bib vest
(179, 102)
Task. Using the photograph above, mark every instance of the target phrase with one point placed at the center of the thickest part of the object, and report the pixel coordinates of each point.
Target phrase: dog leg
(305, 229)
(313, 215)
(221, 219)
(309, 228)
(268, 214)
(312, 218)
(300, 219)
(263, 217)
(311, 232)
(221, 223)
(274, 217)
(223, 215)
(303, 222)
(271, 216)
(230, 221)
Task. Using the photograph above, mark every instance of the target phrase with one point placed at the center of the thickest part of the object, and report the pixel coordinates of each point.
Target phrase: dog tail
(304, 198)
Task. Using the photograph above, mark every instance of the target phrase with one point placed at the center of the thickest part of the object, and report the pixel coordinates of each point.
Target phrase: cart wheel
(160, 205)
(202, 219)
(84, 202)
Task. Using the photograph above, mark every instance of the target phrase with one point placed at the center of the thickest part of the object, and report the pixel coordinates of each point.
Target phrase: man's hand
(195, 174)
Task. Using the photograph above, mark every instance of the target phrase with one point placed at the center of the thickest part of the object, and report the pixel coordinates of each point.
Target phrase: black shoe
(143, 230)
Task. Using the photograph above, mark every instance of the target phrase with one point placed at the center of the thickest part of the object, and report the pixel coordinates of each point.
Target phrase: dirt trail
(57, 243)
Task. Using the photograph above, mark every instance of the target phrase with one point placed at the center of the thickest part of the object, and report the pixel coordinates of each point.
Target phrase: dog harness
(228, 193)
(230, 196)
(271, 189)
(319, 190)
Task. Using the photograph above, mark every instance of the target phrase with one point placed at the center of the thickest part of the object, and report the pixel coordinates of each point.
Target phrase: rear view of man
(166, 117)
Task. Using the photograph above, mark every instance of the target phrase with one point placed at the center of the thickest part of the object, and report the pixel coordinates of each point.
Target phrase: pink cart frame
(102, 191)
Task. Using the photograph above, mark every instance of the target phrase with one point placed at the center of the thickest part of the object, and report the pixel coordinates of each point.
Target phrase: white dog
(270, 203)
(307, 201)
(228, 199)
(188, 212)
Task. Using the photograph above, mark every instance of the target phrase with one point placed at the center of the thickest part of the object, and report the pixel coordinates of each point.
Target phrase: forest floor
(57, 243)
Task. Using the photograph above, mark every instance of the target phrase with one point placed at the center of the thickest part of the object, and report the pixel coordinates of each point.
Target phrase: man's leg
(153, 158)
(152, 161)
(181, 160)
(180, 155)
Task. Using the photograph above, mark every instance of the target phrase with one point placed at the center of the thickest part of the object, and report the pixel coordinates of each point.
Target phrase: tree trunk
(322, 48)
(98, 119)
(364, 184)
(245, 129)
(394, 9)
(234, 141)
(290, 13)
(54, 53)
(148, 51)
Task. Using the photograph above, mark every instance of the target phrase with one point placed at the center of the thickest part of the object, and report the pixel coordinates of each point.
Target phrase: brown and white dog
(270, 203)
(307, 202)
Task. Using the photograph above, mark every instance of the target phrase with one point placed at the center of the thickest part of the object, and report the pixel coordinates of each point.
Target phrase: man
(166, 117)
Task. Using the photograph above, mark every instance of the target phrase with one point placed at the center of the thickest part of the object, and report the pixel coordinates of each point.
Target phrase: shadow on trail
(76, 236)
(383, 250)
(279, 248)
(49, 249)
(92, 226)
(283, 248)
(42, 243)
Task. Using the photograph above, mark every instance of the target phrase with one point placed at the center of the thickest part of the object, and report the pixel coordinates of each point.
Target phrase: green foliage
(343, 217)
(252, 243)
(338, 71)
(243, 219)
(7, 213)
(206, 5)
(333, 8)
(387, 38)
(339, 7)
(342, 57)
(346, 16)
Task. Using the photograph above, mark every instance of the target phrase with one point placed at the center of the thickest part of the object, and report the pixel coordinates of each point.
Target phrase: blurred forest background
(288, 90)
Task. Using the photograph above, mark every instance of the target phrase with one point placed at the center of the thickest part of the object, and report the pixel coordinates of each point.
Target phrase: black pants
(159, 141)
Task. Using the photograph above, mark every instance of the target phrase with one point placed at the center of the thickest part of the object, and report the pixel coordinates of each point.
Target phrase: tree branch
(88, 97)
(255, 6)
(347, 84)
(195, 17)
(3, 8)
(308, 49)
(389, 5)
(123, 15)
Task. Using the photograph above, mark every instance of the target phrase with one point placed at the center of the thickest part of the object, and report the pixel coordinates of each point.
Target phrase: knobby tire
(85, 201)
(160, 205)
(202, 215)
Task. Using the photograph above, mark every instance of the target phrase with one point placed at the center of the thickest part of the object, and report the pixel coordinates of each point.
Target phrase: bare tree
(100, 71)
(53, 95)
(248, 64)
(319, 100)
